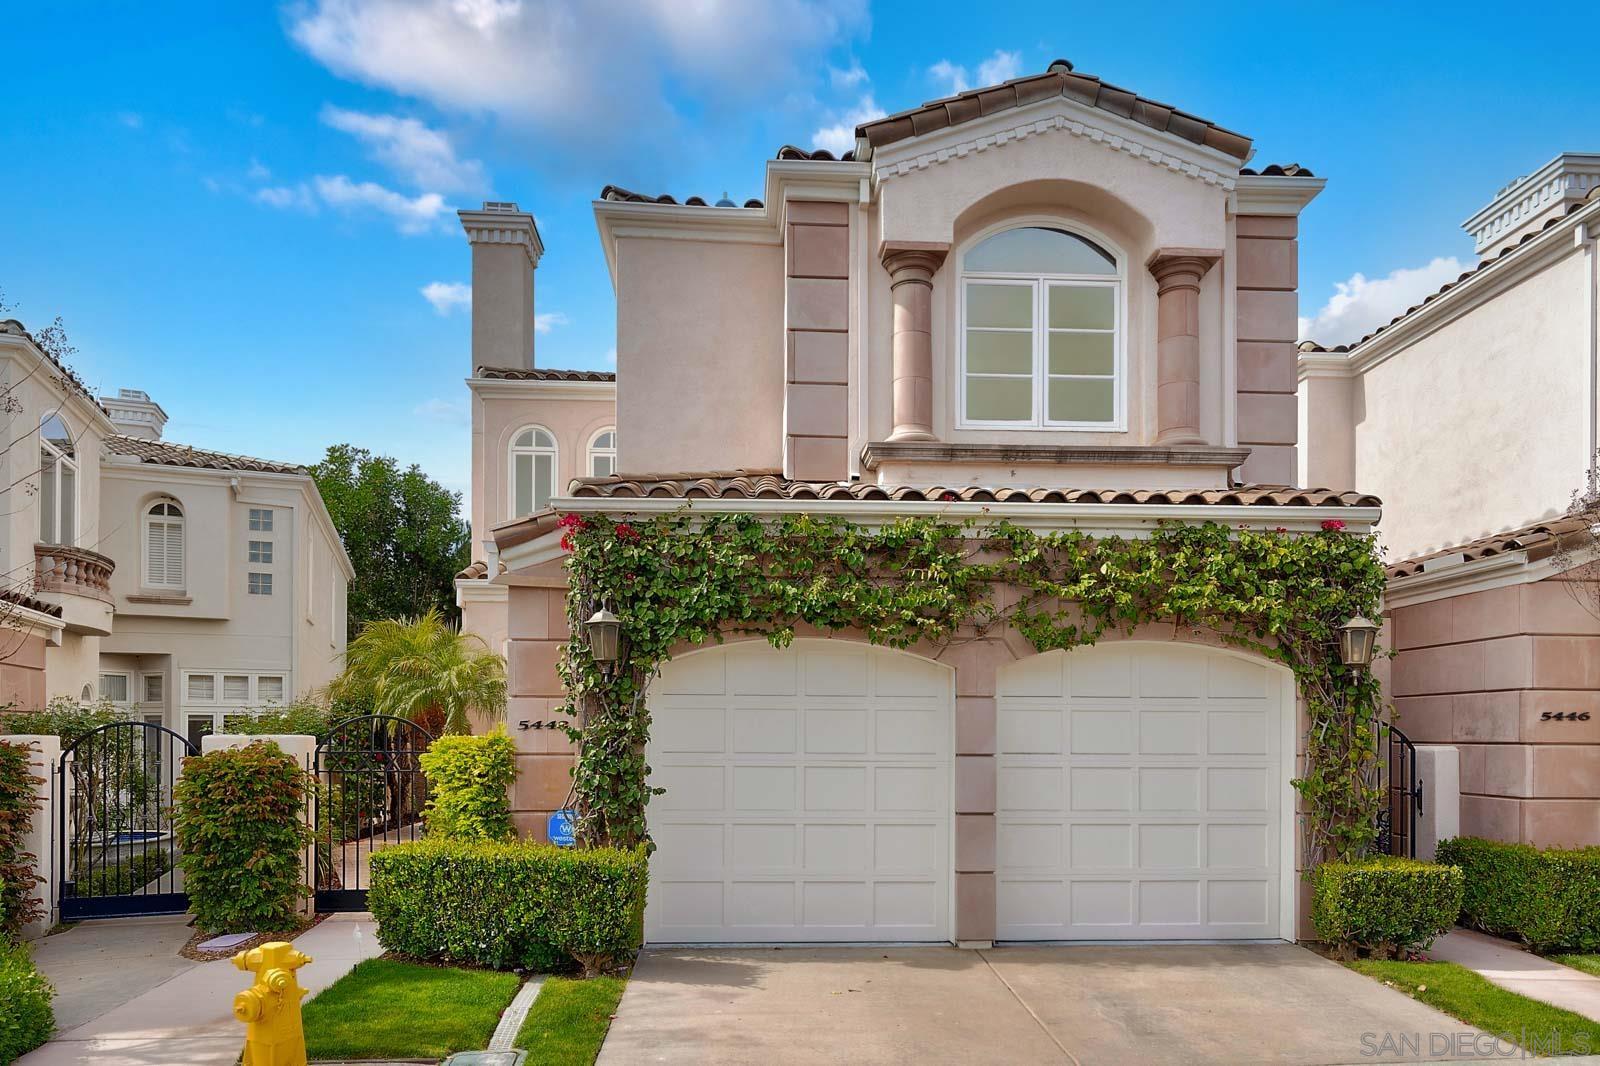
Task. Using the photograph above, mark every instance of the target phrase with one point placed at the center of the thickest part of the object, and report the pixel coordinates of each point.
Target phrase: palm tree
(422, 669)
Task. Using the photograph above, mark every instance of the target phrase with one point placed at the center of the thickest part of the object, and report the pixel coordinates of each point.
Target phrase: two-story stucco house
(1474, 416)
(183, 584)
(1051, 300)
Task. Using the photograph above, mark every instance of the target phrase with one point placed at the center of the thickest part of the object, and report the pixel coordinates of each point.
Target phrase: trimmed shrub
(240, 827)
(1545, 898)
(1384, 906)
(469, 779)
(18, 802)
(509, 906)
(26, 1020)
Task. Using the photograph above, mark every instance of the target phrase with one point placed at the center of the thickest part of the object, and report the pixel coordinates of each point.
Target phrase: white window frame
(1040, 284)
(148, 519)
(259, 556)
(261, 515)
(513, 450)
(594, 451)
(127, 686)
(144, 689)
(219, 709)
(62, 459)
(263, 587)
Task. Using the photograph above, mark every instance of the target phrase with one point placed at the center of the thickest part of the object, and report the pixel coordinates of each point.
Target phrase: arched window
(58, 483)
(1041, 332)
(163, 546)
(603, 453)
(533, 470)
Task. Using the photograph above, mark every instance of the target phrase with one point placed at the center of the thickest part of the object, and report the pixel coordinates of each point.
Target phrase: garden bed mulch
(191, 950)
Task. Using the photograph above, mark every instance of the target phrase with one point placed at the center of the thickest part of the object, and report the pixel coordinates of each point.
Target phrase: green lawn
(1471, 998)
(389, 1009)
(1586, 963)
(569, 1020)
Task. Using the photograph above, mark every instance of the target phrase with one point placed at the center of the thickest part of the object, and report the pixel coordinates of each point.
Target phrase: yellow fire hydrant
(270, 1008)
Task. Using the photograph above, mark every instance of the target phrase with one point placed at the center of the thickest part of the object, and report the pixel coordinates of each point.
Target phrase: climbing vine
(685, 578)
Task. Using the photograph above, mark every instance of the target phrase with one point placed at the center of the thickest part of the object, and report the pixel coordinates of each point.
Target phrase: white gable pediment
(1059, 117)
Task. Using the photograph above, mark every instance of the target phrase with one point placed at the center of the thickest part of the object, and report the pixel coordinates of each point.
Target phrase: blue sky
(238, 207)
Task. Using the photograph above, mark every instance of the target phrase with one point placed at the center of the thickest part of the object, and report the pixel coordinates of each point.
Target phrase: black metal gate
(1402, 793)
(371, 793)
(117, 854)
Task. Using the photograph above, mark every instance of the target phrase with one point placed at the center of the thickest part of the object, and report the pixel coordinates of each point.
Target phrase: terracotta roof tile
(617, 194)
(1487, 264)
(1059, 80)
(1278, 170)
(820, 155)
(505, 373)
(478, 570)
(22, 599)
(772, 485)
(1539, 541)
(166, 453)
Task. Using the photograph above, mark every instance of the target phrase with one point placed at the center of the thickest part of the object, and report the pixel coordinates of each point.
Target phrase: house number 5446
(1564, 716)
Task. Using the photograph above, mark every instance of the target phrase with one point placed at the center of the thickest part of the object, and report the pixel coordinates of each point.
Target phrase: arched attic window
(1041, 332)
(603, 453)
(533, 470)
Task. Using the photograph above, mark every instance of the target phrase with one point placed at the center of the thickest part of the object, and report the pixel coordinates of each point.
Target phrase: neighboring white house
(184, 584)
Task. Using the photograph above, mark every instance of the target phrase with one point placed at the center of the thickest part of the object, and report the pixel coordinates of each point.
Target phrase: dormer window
(1041, 332)
(533, 470)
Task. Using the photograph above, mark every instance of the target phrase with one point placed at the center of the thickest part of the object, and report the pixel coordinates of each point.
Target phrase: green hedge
(18, 802)
(26, 1020)
(1384, 906)
(240, 826)
(509, 906)
(469, 781)
(1547, 898)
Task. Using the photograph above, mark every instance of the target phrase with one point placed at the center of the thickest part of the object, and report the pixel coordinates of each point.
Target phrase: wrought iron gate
(371, 793)
(117, 853)
(1402, 793)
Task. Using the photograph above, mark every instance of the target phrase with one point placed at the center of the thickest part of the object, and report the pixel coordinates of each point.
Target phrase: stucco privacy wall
(699, 354)
(1266, 268)
(1467, 404)
(1481, 671)
(817, 338)
(545, 756)
(22, 669)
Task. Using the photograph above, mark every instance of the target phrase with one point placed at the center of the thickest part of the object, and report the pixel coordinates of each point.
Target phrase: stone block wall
(817, 341)
(1487, 672)
(1267, 274)
(545, 757)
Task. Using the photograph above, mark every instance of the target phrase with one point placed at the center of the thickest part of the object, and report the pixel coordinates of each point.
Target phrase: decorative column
(1178, 272)
(911, 266)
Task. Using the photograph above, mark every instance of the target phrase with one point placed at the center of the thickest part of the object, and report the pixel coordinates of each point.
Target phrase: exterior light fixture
(1356, 640)
(605, 630)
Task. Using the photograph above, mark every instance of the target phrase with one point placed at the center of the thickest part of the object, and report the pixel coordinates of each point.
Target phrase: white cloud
(450, 412)
(1361, 304)
(840, 137)
(421, 156)
(598, 70)
(447, 296)
(849, 77)
(258, 171)
(411, 214)
(549, 320)
(1002, 66)
(131, 119)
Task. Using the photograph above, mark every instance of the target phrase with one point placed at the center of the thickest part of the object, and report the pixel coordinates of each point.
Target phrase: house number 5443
(539, 725)
(1564, 716)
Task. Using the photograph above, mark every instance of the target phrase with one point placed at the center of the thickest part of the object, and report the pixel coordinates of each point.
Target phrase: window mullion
(1041, 348)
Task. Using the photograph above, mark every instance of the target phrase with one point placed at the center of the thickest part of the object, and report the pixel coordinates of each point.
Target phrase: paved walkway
(140, 1011)
(1511, 967)
(1085, 1005)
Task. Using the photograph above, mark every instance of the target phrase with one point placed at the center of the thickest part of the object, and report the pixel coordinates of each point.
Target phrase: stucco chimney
(505, 252)
(1525, 205)
(135, 414)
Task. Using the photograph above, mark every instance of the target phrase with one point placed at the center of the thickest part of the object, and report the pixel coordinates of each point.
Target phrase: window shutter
(174, 555)
(156, 562)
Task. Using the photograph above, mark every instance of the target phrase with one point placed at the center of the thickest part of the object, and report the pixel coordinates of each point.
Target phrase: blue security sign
(561, 827)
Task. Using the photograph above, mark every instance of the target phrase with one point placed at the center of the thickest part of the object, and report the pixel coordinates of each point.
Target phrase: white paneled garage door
(808, 795)
(1140, 790)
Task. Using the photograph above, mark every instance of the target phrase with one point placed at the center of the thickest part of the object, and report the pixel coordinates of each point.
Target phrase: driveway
(1085, 1005)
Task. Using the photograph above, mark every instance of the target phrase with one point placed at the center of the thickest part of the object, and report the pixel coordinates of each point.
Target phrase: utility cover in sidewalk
(224, 942)
(486, 1058)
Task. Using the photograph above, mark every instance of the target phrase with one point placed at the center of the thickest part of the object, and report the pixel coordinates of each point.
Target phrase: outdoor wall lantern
(1356, 640)
(605, 631)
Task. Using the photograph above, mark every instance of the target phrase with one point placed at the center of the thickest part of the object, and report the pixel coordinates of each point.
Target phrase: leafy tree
(424, 669)
(402, 529)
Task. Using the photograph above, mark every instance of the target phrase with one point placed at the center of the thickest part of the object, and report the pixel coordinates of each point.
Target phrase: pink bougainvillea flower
(1332, 525)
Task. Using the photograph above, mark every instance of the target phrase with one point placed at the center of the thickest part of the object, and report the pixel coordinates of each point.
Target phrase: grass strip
(568, 1022)
(389, 1009)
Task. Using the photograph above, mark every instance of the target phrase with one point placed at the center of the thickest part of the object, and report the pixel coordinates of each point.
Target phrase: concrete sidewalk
(1083, 1005)
(185, 1018)
(1515, 969)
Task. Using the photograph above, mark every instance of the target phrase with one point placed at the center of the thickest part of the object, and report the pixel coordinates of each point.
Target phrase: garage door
(1140, 795)
(807, 796)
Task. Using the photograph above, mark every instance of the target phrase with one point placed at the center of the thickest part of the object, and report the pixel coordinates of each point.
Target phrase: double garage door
(809, 796)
